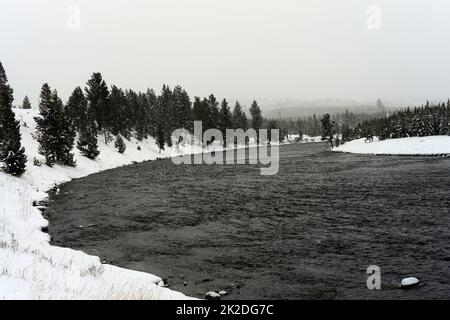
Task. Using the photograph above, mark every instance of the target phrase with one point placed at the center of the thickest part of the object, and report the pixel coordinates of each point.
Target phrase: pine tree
(142, 110)
(120, 115)
(200, 112)
(160, 137)
(327, 129)
(66, 139)
(26, 103)
(120, 144)
(183, 111)
(54, 129)
(238, 118)
(212, 106)
(224, 119)
(257, 118)
(97, 95)
(165, 114)
(87, 142)
(152, 124)
(76, 107)
(12, 154)
(45, 126)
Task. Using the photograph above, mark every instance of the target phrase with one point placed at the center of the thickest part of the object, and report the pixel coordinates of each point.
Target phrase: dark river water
(309, 232)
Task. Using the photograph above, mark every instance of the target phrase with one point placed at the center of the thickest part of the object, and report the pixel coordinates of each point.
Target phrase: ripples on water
(309, 232)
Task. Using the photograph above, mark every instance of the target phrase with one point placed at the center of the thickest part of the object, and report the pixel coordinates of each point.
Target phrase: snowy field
(433, 145)
(30, 268)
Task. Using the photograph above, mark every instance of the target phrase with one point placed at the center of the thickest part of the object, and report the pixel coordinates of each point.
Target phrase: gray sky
(234, 48)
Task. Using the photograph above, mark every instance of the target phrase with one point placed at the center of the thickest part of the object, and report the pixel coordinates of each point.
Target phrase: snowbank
(30, 268)
(432, 145)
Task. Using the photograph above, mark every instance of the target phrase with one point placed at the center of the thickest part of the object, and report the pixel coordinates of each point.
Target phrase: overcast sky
(234, 48)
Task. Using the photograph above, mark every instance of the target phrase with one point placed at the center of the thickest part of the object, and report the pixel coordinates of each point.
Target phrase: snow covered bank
(432, 145)
(30, 268)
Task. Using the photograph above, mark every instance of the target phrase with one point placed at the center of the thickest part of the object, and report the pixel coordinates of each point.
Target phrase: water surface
(309, 232)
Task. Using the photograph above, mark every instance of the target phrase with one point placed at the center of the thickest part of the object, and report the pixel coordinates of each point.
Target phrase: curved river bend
(309, 232)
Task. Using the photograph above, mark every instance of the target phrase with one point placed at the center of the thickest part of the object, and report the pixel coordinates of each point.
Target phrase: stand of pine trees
(110, 112)
(12, 155)
(55, 132)
(426, 120)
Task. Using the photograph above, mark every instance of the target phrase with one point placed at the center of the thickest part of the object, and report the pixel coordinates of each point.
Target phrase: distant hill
(301, 112)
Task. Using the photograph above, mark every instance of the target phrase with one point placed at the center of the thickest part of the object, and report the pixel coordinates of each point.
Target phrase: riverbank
(33, 269)
(432, 145)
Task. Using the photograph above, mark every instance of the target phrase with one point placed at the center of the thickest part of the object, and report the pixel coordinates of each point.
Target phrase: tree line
(425, 120)
(312, 125)
(114, 114)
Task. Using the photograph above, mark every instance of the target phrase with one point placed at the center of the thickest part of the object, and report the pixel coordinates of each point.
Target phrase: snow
(408, 282)
(30, 268)
(305, 139)
(432, 145)
(211, 295)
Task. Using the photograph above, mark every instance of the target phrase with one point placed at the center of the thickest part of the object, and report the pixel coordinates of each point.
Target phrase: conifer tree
(120, 144)
(200, 112)
(120, 115)
(224, 119)
(152, 124)
(160, 137)
(213, 112)
(87, 142)
(66, 137)
(97, 95)
(54, 129)
(238, 118)
(327, 129)
(183, 110)
(46, 125)
(257, 119)
(12, 154)
(165, 114)
(26, 103)
(76, 107)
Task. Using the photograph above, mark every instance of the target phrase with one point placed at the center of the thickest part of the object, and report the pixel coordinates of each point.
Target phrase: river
(309, 232)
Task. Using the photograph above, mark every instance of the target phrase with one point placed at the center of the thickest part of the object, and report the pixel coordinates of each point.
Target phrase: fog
(258, 49)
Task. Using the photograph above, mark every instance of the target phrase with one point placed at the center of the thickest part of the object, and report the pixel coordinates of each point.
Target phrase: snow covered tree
(66, 138)
(87, 142)
(97, 95)
(45, 126)
(12, 154)
(121, 122)
(26, 103)
(76, 107)
(54, 129)
(120, 144)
